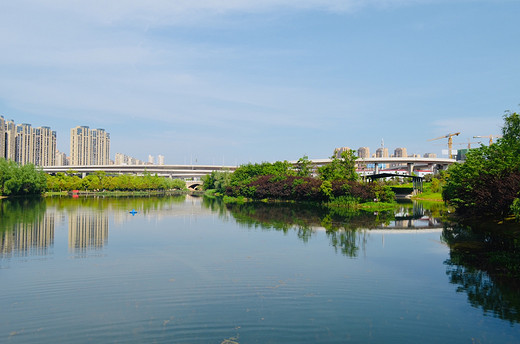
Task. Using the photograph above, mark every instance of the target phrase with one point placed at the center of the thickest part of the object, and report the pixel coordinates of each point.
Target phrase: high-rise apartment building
(160, 159)
(27, 145)
(80, 146)
(2, 137)
(10, 140)
(151, 160)
(61, 159)
(339, 151)
(122, 159)
(100, 147)
(400, 152)
(382, 153)
(24, 146)
(45, 146)
(89, 146)
(363, 152)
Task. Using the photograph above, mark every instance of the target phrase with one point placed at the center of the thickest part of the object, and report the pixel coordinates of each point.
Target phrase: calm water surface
(184, 270)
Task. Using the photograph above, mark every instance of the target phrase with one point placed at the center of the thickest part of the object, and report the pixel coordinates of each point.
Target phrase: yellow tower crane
(468, 144)
(450, 141)
(490, 137)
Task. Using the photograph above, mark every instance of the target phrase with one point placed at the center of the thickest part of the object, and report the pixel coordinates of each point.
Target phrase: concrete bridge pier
(376, 168)
(410, 167)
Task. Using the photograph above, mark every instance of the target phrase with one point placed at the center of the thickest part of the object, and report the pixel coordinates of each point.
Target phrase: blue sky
(233, 81)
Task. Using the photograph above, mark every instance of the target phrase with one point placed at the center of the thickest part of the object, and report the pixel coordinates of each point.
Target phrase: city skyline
(25, 144)
(235, 82)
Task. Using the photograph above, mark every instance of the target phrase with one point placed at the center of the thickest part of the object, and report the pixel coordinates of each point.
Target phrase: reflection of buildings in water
(87, 231)
(410, 222)
(415, 217)
(159, 212)
(28, 239)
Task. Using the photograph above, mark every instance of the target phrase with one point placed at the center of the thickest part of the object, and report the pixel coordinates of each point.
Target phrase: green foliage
(304, 167)
(217, 180)
(99, 181)
(326, 189)
(515, 208)
(340, 169)
(21, 180)
(489, 181)
(246, 174)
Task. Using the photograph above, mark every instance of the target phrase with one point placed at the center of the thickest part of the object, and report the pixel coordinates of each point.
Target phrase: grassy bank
(428, 196)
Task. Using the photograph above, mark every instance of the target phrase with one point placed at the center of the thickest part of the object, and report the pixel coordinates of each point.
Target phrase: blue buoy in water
(133, 212)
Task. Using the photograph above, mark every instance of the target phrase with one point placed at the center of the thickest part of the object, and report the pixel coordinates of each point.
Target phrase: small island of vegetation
(334, 184)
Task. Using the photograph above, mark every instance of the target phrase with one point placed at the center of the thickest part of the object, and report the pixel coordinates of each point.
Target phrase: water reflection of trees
(24, 228)
(485, 264)
(21, 210)
(342, 226)
(122, 203)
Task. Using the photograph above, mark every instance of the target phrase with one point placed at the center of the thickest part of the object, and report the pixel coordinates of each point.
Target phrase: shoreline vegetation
(27, 180)
(487, 184)
(334, 185)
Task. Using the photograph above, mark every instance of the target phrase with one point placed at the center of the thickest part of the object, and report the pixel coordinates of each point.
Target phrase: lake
(192, 270)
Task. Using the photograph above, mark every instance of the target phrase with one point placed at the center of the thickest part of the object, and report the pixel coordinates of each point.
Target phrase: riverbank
(428, 196)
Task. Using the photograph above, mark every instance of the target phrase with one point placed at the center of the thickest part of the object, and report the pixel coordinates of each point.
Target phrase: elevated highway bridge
(195, 172)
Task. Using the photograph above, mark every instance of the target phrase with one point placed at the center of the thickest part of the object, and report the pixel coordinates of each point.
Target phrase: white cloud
(167, 12)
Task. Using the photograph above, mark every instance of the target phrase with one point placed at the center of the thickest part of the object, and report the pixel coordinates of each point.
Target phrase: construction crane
(450, 141)
(469, 143)
(490, 137)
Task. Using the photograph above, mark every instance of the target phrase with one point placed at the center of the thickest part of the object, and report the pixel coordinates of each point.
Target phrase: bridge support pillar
(376, 168)
(410, 166)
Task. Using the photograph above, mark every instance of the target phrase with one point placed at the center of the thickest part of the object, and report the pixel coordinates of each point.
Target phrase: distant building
(151, 160)
(338, 151)
(100, 147)
(61, 159)
(119, 159)
(430, 155)
(24, 144)
(10, 140)
(382, 153)
(363, 152)
(400, 153)
(89, 146)
(27, 145)
(45, 146)
(160, 159)
(2, 136)
(122, 159)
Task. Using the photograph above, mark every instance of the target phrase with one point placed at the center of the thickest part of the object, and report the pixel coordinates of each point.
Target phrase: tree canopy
(488, 182)
(21, 180)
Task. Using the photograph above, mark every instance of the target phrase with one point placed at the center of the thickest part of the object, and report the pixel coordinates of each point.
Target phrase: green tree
(489, 180)
(21, 180)
(304, 167)
(343, 168)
